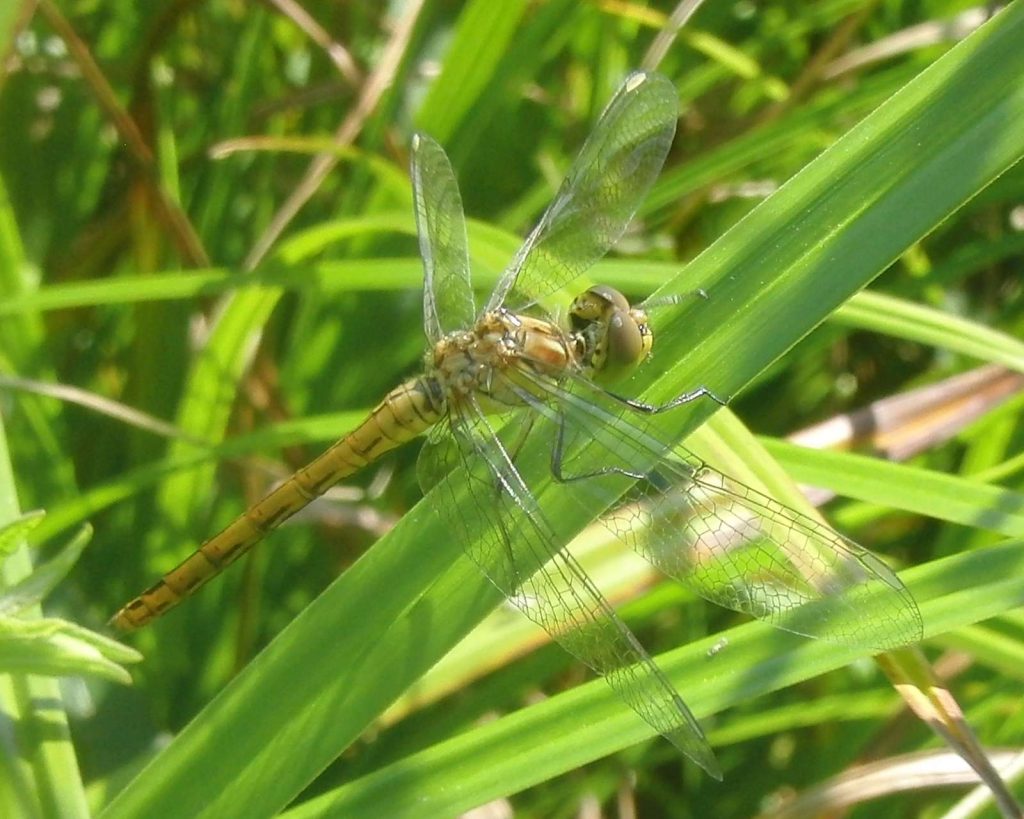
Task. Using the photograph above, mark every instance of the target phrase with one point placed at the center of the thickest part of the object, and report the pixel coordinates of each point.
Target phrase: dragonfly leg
(556, 462)
(653, 409)
(524, 432)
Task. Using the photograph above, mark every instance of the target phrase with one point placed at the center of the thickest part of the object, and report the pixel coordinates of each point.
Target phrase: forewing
(441, 225)
(731, 544)
(605, 185)
(507, 536)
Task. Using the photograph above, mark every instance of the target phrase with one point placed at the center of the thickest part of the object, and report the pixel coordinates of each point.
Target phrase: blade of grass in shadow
(771, 279)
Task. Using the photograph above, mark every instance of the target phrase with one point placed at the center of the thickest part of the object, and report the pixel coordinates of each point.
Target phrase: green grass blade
(565, 732)
(40, 773)
(925, 492)
(40, 769)
(481, 39)
(898, 318)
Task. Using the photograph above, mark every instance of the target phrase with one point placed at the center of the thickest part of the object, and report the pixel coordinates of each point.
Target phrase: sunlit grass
(101, 289)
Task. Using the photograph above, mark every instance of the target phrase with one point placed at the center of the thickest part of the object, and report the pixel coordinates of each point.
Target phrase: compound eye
(598, 302)
(612, 298)
(587, 308)
(624, 346)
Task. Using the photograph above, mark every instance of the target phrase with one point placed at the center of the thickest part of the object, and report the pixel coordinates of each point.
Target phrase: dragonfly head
(614, 336)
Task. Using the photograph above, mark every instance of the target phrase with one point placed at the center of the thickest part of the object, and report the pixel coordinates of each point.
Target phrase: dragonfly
(500, 376)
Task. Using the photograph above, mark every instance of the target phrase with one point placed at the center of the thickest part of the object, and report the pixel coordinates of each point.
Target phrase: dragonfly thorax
(485, 360)
(611, 337)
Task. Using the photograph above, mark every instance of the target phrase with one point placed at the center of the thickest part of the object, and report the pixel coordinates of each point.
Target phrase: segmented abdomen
(404, 413)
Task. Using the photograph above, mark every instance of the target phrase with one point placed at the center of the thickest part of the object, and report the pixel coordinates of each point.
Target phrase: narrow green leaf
(481, 38)
(564, 732)
(41, 772)
(56, 648)
(925, 492)
(13, 533)
(30, 590)
(895, 317)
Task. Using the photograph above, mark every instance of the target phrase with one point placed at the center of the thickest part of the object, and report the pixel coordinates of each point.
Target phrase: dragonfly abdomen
(404, 413)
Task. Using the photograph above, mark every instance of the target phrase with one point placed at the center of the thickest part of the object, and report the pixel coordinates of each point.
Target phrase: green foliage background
(126, 219)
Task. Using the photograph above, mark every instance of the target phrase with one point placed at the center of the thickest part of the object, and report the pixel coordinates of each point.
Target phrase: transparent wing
(613, 172)
(491, 509)
(731, 544)
(441, 225)
(743, 550)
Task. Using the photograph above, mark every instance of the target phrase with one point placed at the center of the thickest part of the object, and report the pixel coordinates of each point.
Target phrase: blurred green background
(146, 153)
